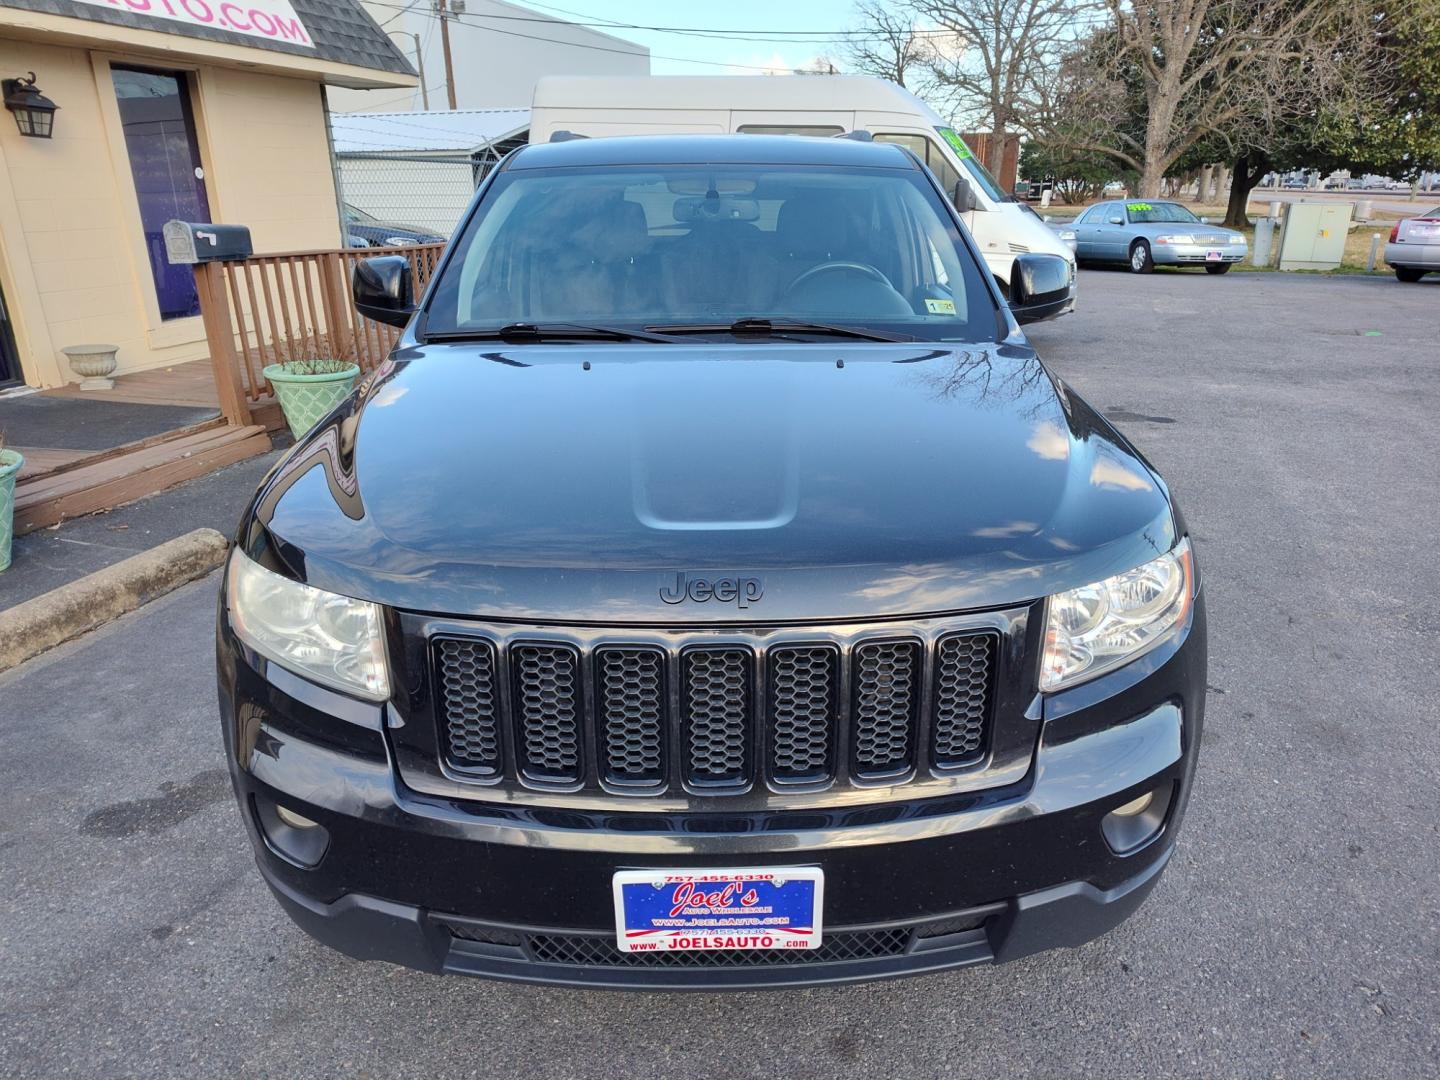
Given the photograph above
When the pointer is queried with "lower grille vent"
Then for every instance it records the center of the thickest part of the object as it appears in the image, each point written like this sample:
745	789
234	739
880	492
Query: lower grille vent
591	951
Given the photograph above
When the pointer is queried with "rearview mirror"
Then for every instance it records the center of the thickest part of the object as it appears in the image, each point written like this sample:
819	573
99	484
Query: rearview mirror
382	290
963	197
1039	287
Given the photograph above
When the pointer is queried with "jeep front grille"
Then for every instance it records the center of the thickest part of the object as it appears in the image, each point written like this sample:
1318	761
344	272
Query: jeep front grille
716	717
631	700
547	708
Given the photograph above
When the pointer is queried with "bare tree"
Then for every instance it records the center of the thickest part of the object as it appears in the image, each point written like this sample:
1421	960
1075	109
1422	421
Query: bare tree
1168	73
887	43
1006	53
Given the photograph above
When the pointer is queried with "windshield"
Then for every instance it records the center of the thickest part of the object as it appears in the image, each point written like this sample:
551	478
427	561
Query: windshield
676	245
1144	213
354	213
978	173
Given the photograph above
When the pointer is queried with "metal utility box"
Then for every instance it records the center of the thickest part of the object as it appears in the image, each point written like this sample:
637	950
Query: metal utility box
1314	237
189	242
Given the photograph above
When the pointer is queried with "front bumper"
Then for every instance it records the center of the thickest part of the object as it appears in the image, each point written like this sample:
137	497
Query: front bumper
1192	254
523	893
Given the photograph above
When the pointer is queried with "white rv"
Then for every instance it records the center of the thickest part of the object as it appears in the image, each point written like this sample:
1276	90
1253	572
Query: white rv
823	105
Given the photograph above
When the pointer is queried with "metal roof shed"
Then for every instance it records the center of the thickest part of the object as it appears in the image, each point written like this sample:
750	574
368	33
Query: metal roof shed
421	168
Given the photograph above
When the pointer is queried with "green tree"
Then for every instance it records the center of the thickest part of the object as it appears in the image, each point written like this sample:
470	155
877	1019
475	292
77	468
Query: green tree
1078	177
1165	75
1396	129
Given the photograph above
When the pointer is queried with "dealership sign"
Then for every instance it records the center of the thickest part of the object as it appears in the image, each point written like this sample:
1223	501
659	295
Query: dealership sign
272	20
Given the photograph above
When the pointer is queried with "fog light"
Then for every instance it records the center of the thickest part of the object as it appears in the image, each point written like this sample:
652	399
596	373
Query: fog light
293	837
1130	809
1132	825
297	821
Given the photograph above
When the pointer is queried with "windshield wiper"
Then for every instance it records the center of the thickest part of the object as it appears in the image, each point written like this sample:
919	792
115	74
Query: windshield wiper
781	326
522	332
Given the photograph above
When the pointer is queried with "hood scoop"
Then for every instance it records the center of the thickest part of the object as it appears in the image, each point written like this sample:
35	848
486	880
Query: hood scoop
740	469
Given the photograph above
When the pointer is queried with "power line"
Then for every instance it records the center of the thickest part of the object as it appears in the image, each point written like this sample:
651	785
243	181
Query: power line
598	48
830	37
777	37
371	106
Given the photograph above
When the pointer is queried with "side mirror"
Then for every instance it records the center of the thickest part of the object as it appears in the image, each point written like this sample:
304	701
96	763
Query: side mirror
382	290
1039	287
1117	220
1204	221
963	197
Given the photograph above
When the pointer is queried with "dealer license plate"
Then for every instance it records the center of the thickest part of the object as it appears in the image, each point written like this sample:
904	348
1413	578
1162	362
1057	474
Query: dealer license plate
1213	256
719	910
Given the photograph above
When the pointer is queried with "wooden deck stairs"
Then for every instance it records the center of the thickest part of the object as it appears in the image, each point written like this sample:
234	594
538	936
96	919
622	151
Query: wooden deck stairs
132	472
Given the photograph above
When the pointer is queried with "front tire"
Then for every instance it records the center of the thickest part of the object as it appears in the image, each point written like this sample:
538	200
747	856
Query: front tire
1217	268
1409	274
1141	261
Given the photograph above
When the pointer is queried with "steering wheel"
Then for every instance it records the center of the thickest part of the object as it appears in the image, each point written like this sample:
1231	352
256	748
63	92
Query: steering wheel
830	267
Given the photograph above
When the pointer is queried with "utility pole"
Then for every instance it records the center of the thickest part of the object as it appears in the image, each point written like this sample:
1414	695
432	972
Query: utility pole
419	65
445	17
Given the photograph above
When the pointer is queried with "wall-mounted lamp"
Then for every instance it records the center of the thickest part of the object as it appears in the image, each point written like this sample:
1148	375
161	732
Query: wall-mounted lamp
34	112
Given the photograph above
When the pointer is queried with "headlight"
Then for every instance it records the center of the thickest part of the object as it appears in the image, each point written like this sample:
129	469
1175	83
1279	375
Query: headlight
1093	629
1176	238
1065	234
328	638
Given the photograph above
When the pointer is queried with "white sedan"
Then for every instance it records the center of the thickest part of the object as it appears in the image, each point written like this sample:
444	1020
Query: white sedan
1414	247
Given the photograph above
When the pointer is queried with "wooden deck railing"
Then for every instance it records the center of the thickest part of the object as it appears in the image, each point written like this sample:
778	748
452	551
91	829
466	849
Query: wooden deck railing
295	305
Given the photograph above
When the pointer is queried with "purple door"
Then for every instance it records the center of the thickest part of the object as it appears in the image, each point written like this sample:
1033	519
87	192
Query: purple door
165	162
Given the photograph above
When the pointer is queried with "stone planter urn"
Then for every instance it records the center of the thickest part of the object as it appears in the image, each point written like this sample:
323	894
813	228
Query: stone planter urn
93	363
10	463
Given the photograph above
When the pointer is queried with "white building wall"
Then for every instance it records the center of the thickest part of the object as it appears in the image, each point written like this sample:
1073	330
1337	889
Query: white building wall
496	61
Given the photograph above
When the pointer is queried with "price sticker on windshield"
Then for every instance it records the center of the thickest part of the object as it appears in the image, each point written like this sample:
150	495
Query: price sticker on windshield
956	142
939	307
1139	206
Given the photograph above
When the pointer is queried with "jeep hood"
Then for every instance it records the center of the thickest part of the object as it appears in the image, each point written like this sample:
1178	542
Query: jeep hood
574	482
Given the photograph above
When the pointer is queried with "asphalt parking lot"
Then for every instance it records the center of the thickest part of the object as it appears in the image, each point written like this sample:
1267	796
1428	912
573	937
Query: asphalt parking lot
1296	933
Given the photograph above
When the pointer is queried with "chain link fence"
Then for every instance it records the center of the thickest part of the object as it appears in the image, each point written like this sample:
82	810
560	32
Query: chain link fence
420	193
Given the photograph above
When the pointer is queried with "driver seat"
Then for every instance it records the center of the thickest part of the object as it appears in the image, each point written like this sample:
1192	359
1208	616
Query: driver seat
813	231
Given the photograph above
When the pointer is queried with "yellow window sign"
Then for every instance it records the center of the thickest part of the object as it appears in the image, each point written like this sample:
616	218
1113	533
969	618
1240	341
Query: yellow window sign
1139	206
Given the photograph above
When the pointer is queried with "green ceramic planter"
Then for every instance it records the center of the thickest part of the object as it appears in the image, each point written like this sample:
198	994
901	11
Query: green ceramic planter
304	399
10	462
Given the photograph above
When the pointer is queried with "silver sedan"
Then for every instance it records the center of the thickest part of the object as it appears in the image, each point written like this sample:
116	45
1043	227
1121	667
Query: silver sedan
1149	234
1414	247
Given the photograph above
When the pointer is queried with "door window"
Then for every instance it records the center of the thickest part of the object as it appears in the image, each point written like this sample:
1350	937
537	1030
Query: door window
927	151
818	130
169	181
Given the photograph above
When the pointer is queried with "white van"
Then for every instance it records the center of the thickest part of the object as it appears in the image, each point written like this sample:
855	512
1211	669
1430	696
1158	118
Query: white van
822	105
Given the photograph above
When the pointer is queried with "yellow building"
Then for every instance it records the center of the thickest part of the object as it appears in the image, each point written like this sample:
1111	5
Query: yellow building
204	110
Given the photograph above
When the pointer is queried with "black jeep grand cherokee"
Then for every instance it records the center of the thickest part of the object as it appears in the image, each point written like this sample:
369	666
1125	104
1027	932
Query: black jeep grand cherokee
712	589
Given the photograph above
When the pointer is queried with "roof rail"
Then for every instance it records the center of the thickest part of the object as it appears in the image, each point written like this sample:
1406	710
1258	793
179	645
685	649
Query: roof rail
859	135
566	136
